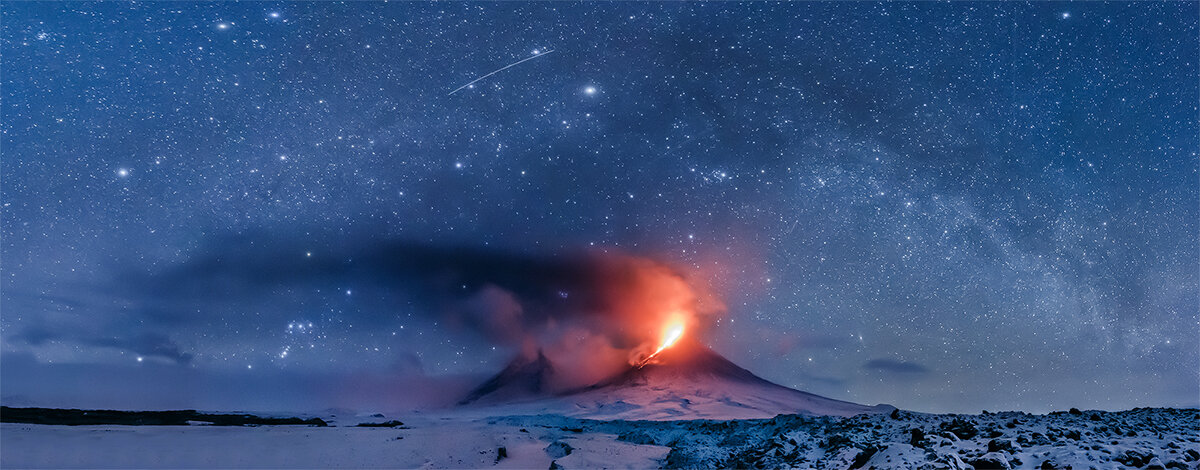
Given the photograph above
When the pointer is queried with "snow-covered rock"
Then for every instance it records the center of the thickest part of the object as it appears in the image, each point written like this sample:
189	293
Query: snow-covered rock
1140	438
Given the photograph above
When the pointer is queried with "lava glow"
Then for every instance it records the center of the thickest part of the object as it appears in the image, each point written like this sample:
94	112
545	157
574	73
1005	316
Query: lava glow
673	335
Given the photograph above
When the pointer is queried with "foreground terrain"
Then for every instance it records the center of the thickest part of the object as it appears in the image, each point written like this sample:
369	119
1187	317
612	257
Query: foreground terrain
1140	438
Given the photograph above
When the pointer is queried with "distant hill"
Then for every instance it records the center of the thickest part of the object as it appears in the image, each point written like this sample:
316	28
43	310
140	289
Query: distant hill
72	417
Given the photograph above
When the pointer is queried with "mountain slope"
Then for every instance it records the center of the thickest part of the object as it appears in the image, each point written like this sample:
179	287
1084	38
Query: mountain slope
687	381
523	378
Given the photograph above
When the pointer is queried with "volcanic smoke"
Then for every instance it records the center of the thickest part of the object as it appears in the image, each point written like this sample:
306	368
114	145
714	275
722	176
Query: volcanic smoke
590	312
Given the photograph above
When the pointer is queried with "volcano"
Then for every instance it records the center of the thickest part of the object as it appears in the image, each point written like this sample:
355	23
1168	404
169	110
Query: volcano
687	381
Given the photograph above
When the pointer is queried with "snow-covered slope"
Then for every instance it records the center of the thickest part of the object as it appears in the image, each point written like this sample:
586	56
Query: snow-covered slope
523	378
687	381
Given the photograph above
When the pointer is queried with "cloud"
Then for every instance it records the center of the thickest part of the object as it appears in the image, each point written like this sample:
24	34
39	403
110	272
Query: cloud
896	367
149	345
26	381
143	344
507	297
569	303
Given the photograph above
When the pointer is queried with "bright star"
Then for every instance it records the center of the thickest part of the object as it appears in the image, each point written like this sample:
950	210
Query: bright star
1066	14
590	90
273	14
222	25
123	172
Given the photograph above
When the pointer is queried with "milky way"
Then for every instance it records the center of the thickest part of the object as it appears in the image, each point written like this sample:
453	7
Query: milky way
942	206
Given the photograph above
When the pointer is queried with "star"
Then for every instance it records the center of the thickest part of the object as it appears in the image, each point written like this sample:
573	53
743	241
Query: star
831	198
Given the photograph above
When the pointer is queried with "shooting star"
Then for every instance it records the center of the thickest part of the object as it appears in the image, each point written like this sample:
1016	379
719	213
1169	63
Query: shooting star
501	69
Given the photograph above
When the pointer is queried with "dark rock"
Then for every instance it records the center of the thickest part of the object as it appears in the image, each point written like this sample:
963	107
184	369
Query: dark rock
1075	411
638	437
1191	455
990	461
835	442
997	445
895	414
918	437
1177	464
861	459
386	424
554	465
1134	458
960	427
558	449
501	453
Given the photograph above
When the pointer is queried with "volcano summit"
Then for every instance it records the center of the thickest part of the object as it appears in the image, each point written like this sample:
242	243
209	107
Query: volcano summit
687	381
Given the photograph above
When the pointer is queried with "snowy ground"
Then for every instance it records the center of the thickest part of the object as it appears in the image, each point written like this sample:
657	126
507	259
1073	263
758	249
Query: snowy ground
1143	438
450	443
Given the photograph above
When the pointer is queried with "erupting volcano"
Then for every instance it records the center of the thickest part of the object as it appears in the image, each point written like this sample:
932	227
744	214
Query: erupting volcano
627	344
685	380
673	335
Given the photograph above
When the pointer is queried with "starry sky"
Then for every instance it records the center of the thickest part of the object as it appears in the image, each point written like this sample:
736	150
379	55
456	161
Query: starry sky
946	207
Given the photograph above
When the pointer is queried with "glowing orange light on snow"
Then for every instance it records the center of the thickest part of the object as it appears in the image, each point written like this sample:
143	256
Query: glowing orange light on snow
672	335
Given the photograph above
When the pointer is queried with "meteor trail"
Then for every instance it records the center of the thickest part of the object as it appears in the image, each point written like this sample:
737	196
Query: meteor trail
501	69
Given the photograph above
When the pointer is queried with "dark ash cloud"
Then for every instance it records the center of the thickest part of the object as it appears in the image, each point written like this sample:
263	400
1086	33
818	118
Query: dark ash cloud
507	297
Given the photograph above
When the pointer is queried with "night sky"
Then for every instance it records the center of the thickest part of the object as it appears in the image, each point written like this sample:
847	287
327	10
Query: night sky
946	207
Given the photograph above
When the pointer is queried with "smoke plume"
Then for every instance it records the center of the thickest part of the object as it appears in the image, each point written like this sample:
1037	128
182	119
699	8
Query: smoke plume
588	311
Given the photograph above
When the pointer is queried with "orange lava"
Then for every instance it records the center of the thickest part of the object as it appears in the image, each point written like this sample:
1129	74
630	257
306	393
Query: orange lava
673	334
